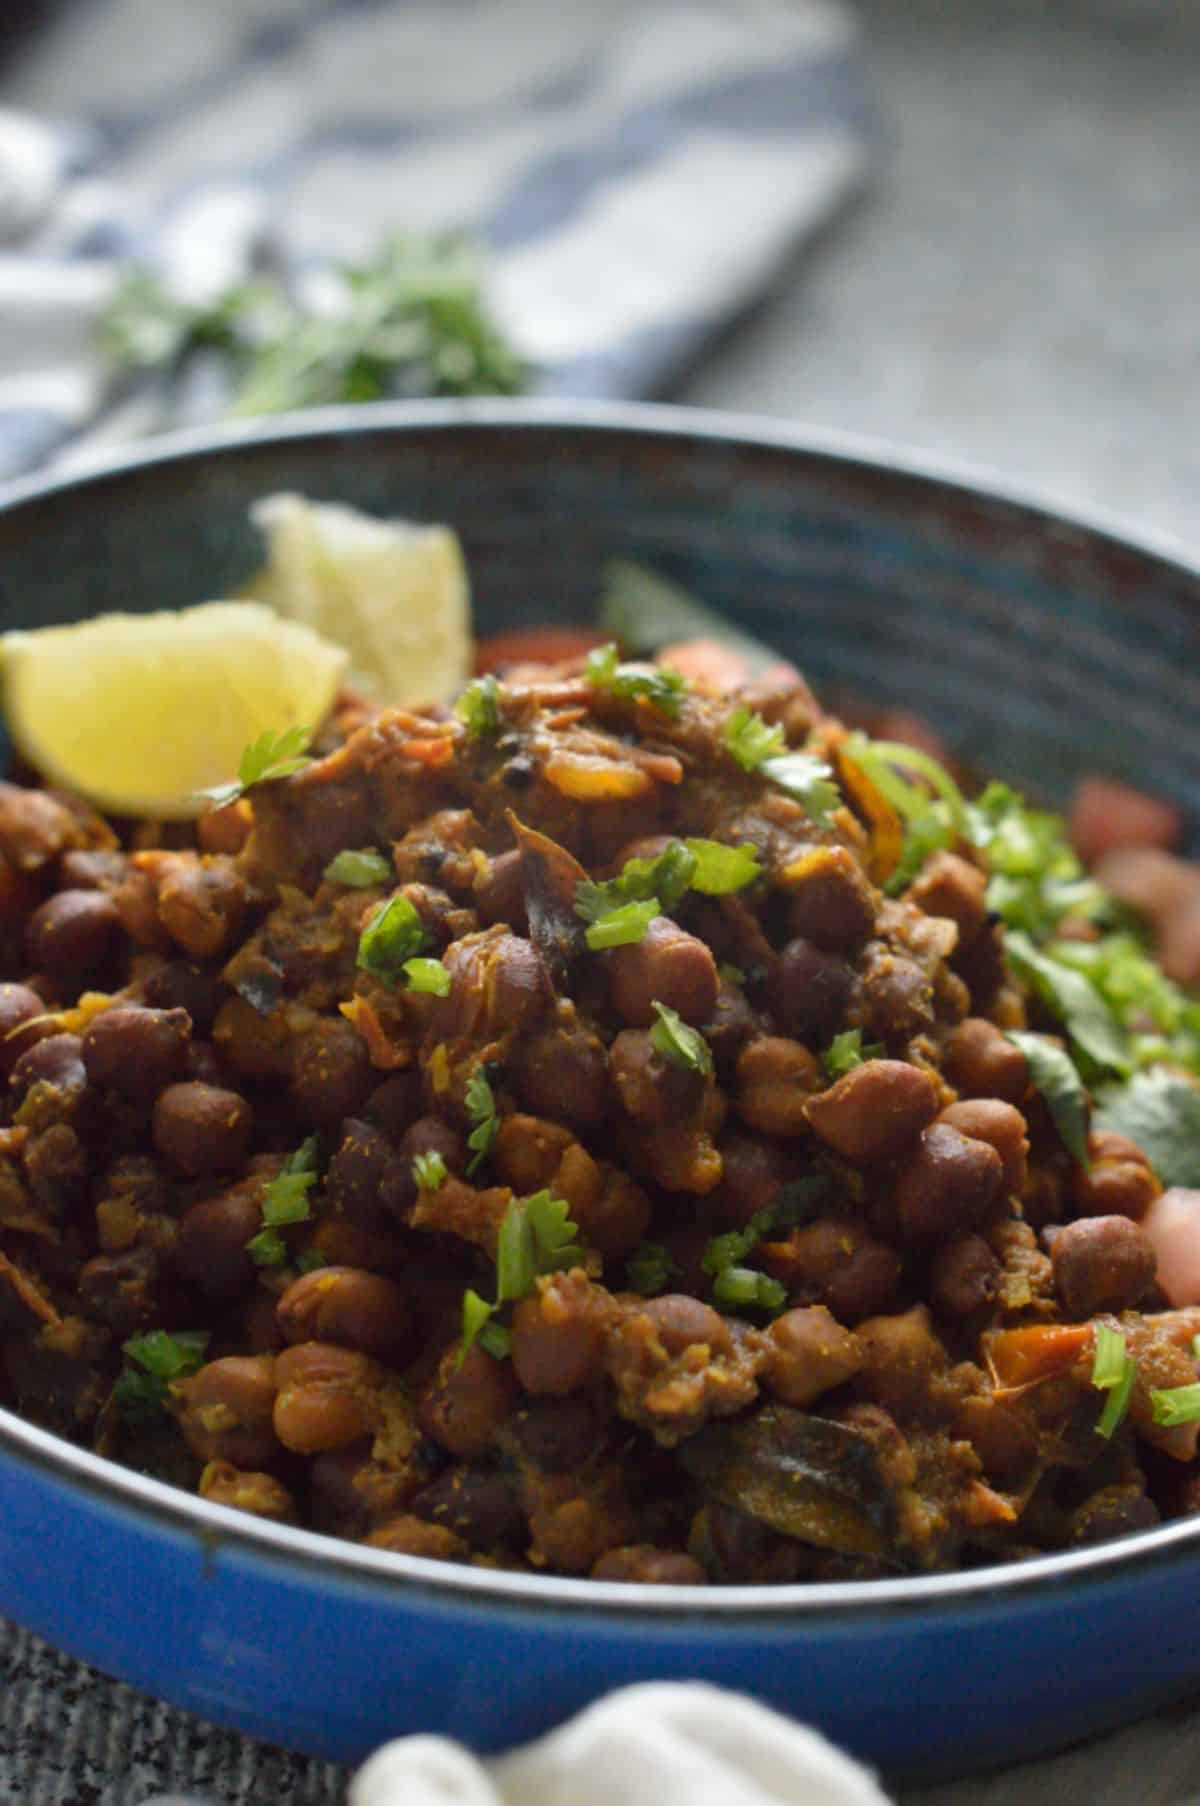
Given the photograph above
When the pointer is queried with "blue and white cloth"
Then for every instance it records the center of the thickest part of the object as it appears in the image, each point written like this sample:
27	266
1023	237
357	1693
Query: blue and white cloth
638	169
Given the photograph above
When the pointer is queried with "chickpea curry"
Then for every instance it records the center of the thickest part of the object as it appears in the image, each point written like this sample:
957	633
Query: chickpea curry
615	1127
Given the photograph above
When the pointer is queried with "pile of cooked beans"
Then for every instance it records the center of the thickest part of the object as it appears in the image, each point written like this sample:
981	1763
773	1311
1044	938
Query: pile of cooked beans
537	1135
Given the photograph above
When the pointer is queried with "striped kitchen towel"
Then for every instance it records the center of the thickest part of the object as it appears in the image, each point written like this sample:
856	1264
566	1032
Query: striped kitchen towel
637	171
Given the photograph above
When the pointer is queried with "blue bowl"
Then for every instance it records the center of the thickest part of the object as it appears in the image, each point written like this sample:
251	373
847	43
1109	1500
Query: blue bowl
1045	648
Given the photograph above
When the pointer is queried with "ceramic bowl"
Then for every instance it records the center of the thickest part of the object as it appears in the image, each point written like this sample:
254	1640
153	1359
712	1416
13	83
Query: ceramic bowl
1043	647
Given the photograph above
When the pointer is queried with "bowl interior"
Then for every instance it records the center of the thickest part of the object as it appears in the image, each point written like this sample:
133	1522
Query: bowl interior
1042	650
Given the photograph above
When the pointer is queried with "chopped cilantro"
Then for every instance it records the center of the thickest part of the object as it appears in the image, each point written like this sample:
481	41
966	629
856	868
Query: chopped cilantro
806	778
285	1201
740	1287
622	927
267	1248
1074	1000
643	683
393	935
846	1051
428	977
1036	877
1055	1075
478	707
310	1260
476	1316
360	870
496	1340
648	1269
286	1197
153	1362
266	759
707	866
720	869
481	1108
733	975
1174	1405
662	880
536	1236
429	1171
672	1037
749	739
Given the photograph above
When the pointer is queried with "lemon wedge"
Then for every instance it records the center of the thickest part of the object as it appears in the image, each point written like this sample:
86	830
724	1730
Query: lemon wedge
140	712
395	594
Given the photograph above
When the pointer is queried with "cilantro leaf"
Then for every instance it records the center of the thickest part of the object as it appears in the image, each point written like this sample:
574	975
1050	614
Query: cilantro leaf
846	1051
805	777
476	1315
1074	1000
394	934
270	757
481	1108
720	870
267	1248
673	1038
648	1268
285	1201
361	870
640	683
536	1236
748	739
622	927
153	1362
1160	1111
428	977
1055	1075
478	708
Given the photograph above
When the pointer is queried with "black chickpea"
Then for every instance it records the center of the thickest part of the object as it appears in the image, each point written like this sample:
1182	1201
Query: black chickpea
75	935
202	1128
136	1050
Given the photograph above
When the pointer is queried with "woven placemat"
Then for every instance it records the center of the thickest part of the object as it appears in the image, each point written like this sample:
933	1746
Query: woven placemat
71	1737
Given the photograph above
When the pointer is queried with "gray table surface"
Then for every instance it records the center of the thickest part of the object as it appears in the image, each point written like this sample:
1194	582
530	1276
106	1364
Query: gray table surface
1019	291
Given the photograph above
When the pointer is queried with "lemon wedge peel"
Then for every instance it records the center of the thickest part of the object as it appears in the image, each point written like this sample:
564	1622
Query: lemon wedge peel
140	713
394	593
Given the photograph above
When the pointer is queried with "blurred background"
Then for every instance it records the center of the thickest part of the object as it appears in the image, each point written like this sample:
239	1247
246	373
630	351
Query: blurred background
967	226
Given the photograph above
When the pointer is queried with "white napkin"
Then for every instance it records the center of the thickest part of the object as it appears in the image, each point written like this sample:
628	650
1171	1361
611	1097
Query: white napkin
662	1743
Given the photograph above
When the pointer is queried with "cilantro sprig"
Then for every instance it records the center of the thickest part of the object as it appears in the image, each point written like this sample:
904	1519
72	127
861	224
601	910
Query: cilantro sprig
153	1362
641	683
410	320
271	757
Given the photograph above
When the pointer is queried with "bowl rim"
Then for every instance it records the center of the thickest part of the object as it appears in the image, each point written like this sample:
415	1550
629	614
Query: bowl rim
326	1559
